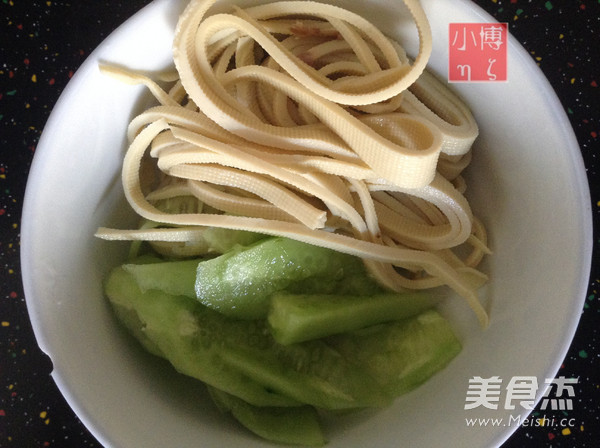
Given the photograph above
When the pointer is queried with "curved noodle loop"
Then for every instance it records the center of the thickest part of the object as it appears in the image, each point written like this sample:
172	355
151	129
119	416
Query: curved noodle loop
314	126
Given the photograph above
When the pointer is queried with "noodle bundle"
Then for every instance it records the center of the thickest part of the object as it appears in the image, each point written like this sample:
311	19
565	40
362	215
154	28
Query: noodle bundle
313	126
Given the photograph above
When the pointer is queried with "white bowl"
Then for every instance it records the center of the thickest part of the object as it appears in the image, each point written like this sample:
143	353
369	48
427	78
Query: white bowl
527	183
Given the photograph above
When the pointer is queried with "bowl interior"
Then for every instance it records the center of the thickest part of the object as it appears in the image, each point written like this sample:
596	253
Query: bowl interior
526	182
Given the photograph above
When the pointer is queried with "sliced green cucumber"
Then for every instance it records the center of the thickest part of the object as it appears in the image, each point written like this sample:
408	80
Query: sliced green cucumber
211	240
222	240
167	326
311	372
130	319
401	355
240	356
352	280
240	285
172	277
290	425
302	317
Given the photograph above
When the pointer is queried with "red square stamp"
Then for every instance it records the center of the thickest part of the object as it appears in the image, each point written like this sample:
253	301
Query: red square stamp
477	52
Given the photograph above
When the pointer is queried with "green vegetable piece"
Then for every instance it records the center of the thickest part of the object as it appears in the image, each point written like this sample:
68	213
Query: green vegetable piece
220	240
401	355
172	277
240	356
291	426
353	280
311	372
179	204
240	284
179	277
167	326
301	317
211	240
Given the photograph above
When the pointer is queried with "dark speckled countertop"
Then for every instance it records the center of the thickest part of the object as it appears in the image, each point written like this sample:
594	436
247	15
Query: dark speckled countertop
42	43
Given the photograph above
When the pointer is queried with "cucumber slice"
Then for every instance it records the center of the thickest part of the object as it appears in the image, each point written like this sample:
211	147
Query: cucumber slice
166	326
311	372
240	285
301	317
240	356
334	273
291	426
353	280
172	277
222	240
401	355
130	319
212	240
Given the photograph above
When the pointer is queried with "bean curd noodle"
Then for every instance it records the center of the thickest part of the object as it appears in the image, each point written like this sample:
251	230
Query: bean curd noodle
312	126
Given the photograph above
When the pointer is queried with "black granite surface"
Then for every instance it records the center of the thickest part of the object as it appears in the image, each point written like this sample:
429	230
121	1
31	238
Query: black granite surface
42	43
